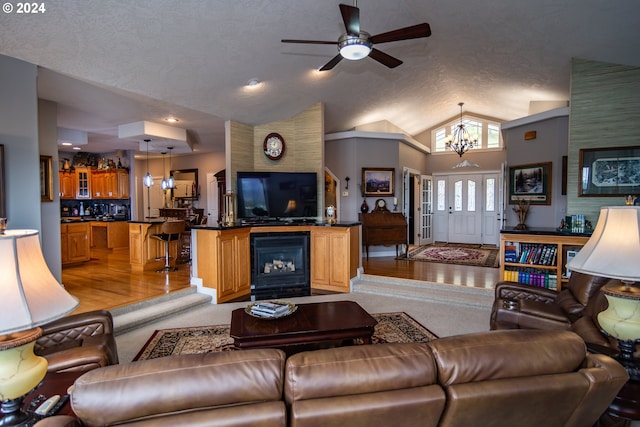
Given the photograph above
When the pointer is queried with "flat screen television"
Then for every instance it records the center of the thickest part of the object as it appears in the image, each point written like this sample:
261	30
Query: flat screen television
277	196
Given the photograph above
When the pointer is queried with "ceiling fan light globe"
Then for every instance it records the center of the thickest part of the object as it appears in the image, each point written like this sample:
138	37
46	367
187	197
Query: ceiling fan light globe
354	48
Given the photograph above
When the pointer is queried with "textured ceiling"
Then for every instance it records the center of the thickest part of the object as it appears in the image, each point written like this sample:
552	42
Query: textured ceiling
110	62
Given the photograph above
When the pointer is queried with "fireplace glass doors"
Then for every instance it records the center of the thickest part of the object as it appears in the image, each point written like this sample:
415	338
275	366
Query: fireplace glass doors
280	265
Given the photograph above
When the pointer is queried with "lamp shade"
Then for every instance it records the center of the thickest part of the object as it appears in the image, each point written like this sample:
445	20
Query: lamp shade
29	294
613	250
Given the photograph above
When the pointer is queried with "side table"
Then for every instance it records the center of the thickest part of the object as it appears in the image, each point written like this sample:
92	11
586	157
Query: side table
624	411
52	384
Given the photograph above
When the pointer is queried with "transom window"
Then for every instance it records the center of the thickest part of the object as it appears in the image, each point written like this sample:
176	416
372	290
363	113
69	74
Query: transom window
488	133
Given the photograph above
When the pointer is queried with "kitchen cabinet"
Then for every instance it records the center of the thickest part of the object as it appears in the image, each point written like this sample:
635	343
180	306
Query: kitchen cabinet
334	257
110	184
67	181
74	238
83	183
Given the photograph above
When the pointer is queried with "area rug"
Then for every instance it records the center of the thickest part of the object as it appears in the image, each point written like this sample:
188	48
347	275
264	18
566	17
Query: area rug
456	253
391	327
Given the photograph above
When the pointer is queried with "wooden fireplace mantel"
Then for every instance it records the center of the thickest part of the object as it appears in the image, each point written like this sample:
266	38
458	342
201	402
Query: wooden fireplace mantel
221	257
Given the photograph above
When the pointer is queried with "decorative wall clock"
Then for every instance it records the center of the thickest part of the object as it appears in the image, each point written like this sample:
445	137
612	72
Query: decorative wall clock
274	146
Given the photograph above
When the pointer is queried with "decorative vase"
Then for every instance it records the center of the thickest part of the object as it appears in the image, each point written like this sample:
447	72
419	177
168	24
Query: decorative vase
364	207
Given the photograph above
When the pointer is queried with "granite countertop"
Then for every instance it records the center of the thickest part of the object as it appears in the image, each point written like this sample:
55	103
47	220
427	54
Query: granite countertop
548	231
72	219
278	224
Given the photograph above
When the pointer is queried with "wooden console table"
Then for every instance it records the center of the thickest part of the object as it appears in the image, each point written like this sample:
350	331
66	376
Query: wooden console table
385	228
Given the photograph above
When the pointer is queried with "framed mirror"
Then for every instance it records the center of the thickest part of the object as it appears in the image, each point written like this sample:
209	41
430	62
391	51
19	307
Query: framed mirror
186	184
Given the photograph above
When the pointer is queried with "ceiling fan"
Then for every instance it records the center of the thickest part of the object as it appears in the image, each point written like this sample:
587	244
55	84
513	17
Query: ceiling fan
356	44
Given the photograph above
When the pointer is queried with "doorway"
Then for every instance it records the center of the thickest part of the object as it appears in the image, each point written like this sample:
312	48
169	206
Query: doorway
467	207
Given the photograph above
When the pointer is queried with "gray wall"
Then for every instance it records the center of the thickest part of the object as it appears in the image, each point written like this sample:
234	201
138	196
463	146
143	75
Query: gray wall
550	145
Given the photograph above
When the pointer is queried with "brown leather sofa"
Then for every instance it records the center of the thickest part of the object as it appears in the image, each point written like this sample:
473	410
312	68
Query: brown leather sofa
574	308
499	378
79	342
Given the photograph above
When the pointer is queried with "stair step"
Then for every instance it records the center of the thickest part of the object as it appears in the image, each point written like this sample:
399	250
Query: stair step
132	316
427	291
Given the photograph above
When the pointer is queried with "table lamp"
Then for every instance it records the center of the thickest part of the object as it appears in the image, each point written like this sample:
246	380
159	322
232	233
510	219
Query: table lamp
613	250
29	296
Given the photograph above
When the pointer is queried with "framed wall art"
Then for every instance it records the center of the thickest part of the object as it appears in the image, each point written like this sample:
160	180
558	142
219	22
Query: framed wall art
378	181
531	183
609	171
46	179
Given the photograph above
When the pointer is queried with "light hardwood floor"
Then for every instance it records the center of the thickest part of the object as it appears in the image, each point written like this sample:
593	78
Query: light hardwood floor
107	282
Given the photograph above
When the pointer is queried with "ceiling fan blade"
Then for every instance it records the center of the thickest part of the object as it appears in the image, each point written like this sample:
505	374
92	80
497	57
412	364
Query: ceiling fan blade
329	65
307	41
351	18
384	59
413	32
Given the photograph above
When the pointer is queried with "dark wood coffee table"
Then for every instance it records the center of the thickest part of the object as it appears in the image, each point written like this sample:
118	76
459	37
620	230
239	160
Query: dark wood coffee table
315	325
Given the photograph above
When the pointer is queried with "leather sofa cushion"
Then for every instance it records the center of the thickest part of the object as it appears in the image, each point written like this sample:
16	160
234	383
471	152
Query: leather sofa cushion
382	384
506	354
358	369
195	383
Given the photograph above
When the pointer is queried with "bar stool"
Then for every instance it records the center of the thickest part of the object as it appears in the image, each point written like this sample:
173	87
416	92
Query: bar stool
170	231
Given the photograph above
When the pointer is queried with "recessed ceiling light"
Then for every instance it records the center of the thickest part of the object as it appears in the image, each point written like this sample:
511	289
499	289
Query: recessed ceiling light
253	82
66	143
77	148
171	120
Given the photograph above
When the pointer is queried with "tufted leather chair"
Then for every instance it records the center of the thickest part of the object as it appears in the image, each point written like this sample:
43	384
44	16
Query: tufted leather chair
575	308
79	342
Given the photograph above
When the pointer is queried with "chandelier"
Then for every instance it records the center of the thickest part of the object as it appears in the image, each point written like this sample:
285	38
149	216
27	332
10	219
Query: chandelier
460	141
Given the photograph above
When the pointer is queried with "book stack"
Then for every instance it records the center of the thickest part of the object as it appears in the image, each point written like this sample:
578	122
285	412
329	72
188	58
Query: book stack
270	309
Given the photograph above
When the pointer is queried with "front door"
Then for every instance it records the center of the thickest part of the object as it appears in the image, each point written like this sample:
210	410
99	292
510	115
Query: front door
465	215
467	208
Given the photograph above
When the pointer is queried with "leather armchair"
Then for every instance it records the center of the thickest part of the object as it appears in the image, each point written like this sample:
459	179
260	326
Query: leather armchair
575	308
79	342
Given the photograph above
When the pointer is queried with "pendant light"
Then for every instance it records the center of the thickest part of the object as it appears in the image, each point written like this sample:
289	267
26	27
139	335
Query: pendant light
165	183
170	181
148	179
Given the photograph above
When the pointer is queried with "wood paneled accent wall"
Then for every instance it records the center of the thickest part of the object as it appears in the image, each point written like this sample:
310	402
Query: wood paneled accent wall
604	112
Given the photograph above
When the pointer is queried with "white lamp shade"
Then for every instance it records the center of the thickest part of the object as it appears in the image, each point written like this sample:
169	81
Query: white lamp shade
29	294
613	250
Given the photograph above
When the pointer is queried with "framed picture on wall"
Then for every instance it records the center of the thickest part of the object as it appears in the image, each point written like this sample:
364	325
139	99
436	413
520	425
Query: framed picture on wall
609	171
531	183
46	179
378	181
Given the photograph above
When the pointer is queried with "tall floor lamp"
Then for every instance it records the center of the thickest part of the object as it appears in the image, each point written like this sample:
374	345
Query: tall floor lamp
613	250
29	296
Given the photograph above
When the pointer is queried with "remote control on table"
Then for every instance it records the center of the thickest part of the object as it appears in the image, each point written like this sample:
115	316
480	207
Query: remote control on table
47	405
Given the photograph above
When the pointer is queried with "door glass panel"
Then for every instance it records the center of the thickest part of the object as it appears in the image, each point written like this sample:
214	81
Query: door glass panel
490	196
457	196
441	198
471	196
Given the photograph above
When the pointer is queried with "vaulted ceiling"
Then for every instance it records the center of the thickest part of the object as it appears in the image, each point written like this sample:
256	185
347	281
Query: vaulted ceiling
111	62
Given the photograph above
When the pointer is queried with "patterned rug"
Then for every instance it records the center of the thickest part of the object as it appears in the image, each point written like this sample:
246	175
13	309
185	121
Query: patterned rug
456	253
391	327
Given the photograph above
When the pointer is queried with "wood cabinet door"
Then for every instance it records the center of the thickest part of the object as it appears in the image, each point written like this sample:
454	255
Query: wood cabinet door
320	257
83	183
227	265
98	184
67	185
122	184
339	262
78	242
243	263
